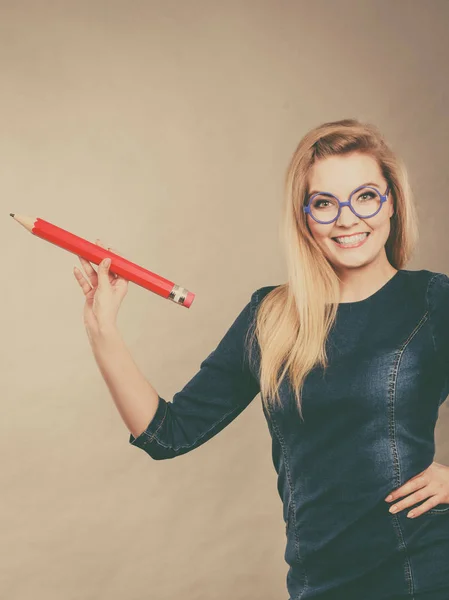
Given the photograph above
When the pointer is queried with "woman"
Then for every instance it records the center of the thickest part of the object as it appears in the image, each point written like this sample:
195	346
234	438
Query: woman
351	358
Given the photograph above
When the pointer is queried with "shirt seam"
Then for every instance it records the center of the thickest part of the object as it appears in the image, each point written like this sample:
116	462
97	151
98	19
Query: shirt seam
432	324
194	442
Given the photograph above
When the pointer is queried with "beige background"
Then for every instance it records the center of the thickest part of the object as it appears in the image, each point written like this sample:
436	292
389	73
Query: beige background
165	128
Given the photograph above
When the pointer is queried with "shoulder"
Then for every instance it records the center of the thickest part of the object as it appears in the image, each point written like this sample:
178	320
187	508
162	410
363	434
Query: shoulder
437	293
259	294
427	284
437	280
437	299
437	285
263	291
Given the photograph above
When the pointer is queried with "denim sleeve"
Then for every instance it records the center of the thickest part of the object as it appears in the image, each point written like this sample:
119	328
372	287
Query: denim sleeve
438	307
221	389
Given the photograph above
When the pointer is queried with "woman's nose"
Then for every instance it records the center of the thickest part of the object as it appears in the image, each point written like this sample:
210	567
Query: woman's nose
347	216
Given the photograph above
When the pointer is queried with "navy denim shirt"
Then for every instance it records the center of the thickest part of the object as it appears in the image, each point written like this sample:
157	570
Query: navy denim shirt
368	428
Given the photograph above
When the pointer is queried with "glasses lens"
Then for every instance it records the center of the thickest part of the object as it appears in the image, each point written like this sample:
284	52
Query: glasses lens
324	208
366	202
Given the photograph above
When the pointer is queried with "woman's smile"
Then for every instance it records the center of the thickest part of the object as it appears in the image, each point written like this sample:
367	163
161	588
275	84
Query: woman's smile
354	241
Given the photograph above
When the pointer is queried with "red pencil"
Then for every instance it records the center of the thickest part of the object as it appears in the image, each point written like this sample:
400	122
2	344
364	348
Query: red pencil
94	253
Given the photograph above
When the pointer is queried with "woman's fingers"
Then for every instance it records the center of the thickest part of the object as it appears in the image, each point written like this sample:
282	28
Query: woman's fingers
90	284
85	286
111	274
91	272
113	277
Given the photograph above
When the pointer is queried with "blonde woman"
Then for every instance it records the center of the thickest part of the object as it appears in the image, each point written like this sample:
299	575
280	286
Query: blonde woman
351	359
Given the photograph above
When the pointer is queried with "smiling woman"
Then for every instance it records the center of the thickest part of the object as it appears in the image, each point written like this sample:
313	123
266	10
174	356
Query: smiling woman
370	341
350	357
363	341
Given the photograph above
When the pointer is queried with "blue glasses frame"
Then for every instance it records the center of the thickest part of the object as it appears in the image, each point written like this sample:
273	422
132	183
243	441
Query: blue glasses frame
383	198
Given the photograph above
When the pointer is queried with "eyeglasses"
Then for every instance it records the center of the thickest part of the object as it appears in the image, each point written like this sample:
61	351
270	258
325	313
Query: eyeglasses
324	207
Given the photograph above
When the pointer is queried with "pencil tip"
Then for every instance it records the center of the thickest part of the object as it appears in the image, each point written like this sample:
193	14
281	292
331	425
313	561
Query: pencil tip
11	214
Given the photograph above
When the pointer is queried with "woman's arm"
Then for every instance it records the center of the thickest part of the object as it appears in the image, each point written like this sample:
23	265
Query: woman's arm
221	389
134	396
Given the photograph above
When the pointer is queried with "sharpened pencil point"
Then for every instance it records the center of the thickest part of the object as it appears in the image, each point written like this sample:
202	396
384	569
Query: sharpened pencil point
11	214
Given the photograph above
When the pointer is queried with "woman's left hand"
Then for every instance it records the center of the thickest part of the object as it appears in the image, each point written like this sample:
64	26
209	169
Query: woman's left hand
432	483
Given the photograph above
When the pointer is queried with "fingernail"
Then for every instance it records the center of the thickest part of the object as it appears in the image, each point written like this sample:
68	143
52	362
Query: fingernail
388	498
107	262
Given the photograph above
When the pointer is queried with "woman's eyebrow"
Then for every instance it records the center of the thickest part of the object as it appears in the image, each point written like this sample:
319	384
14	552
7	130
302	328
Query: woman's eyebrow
368	183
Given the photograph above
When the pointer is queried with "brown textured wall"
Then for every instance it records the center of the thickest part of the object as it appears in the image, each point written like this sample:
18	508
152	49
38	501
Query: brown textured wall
165	128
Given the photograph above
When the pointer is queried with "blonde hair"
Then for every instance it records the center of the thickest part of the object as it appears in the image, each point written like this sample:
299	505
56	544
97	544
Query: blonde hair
294	319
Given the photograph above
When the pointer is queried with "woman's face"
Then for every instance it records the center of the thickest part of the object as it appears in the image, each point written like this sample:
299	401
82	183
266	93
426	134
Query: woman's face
340	175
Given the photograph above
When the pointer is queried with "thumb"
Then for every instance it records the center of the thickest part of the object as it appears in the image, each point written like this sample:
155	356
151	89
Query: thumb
103	271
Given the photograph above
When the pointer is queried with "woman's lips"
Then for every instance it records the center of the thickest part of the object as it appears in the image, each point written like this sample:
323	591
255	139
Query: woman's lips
355	245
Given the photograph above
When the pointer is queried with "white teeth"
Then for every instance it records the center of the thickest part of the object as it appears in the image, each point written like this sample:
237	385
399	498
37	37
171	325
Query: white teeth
353	239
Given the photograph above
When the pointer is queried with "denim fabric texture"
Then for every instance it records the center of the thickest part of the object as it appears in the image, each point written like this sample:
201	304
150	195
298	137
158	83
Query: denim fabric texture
368	428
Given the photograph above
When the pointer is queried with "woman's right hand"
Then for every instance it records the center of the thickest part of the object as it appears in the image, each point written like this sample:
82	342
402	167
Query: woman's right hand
104	292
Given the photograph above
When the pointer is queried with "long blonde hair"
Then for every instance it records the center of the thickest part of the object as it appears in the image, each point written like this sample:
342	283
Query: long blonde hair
294	319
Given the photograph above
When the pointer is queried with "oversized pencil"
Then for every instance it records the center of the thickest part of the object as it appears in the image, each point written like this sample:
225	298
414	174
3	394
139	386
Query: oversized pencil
94	253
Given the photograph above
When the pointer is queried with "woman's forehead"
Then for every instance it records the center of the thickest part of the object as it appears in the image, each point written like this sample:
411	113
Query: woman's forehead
342	174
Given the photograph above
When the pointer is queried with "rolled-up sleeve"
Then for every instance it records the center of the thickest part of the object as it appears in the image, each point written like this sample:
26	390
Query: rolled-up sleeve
438	307
221	389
